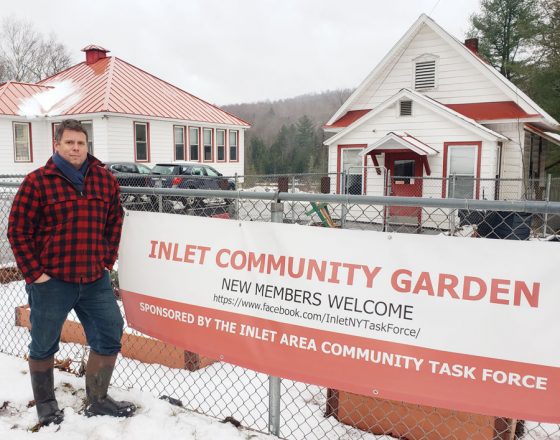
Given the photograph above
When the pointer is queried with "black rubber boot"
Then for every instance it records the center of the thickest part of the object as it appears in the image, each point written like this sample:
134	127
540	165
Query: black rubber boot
98	376
42	382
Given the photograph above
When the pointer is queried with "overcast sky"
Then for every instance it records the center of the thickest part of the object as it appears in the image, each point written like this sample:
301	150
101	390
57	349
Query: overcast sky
233	51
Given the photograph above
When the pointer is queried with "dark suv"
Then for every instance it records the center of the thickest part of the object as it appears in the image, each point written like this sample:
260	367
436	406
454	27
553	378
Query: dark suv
189	175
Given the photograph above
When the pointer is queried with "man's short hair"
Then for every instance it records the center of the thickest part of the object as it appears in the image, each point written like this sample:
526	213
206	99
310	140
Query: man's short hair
72	125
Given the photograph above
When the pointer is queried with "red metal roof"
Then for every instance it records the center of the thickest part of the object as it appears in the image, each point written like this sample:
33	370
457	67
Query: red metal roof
349	118
115	86
486	111
13	93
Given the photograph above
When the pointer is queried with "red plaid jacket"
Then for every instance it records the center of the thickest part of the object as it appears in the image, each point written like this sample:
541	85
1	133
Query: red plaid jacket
68	235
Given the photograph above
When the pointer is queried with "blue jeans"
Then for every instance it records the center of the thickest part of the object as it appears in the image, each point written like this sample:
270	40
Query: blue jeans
94	303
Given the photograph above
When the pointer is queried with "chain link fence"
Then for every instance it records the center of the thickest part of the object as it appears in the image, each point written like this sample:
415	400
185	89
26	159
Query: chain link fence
222	390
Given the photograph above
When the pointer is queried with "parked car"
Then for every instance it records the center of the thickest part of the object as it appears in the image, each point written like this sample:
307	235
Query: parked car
132	174
190	175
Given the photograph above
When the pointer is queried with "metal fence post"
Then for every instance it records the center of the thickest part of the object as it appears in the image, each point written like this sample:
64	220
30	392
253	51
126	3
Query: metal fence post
236	214
547	198
452	212
277	214
292	210
387	209
344	205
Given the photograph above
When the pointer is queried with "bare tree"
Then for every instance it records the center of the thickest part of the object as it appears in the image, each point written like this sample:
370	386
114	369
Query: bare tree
26	56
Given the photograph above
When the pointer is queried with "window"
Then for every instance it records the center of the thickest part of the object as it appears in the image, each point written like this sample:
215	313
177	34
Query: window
207	142
143	169
141	142
179	141
211	172
193	142
425	73
462	172
352	163
233	147
22	142
403	170
405	108
221	145
88	125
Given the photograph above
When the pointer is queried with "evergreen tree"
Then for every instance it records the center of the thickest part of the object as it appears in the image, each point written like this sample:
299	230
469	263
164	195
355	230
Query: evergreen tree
507	32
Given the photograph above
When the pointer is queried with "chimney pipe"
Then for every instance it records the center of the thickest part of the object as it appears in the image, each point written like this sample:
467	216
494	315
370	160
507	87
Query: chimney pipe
472	44
94	53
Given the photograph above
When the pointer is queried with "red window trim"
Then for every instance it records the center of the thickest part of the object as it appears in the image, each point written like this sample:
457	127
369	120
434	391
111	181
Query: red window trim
211	145
338	163
30	142
184	142
199	131
225	143
478	146
53	134
147	124
228	146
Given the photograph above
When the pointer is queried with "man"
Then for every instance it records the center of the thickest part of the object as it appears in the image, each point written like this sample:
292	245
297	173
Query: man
64	229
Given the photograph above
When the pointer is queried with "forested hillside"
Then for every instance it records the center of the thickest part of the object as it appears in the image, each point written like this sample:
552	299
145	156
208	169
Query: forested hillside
287	135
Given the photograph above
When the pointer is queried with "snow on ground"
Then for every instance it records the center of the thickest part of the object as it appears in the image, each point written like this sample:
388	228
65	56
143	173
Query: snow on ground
154	417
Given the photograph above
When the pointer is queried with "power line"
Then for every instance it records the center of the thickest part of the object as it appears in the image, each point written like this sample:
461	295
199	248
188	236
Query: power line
435	6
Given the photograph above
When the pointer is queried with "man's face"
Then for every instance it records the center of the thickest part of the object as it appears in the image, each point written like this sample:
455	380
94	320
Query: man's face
72	147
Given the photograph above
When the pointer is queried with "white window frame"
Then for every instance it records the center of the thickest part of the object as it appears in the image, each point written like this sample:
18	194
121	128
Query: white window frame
147	142
29	143
197	130
206	145
236	133
421	59
344	185
450	173
175	144
222	146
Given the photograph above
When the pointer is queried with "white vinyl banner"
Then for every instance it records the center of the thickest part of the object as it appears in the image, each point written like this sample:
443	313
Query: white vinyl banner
468	324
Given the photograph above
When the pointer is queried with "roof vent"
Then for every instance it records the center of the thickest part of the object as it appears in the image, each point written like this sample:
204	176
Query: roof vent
406	108
94	53
472	44
425	75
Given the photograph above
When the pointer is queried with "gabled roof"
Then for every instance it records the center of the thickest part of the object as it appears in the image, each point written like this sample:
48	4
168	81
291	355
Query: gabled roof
487	70
111	85
348	118
444	111
548	135
490	111
13	93
403	140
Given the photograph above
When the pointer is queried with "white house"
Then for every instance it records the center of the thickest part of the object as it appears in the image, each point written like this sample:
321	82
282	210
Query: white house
130	115
434	113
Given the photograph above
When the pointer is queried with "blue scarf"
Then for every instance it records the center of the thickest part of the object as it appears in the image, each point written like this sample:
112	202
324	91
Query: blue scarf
75	176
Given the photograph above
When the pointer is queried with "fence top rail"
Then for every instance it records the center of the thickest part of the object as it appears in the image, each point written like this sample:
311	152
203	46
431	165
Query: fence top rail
494	205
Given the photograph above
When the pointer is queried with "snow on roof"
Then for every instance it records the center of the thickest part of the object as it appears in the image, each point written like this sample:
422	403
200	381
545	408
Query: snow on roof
55	100
12	95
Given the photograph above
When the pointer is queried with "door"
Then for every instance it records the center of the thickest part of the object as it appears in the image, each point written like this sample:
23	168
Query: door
406	181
